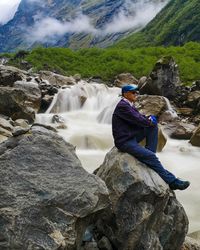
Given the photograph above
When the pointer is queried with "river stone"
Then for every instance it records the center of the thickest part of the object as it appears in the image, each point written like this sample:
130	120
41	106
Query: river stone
145	214
9	75
56	79
195	139
151	105
179	130
191	244
18	103
5	124
124	79
47	198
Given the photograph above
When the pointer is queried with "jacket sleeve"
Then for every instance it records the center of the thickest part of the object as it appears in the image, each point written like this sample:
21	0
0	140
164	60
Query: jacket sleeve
133	116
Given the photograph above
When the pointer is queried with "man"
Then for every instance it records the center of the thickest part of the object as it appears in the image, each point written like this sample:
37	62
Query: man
130	127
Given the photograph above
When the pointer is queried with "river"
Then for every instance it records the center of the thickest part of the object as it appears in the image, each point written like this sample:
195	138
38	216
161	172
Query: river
86	110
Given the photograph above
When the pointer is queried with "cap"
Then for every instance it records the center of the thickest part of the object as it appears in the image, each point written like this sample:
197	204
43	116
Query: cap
128	88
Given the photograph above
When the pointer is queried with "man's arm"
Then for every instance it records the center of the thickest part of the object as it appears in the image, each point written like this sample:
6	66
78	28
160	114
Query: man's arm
132	116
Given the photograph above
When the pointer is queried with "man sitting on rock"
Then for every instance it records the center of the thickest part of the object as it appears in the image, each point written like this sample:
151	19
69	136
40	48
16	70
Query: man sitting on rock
130	127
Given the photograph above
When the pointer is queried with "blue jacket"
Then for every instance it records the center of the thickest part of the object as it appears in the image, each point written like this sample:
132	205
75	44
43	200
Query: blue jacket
127	121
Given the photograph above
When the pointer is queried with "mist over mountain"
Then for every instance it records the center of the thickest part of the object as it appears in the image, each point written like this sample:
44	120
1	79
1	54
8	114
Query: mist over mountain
75	23
176	24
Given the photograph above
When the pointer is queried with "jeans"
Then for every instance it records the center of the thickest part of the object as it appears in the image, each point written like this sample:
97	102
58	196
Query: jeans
147	154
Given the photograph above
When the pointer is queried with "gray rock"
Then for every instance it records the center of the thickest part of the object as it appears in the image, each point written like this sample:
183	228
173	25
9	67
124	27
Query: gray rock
179	130
195	139
145	214
9	75
5	124
19	130
191	244
47	198
163	79
104	244
22	123
124	79
18	103
151	105
56	79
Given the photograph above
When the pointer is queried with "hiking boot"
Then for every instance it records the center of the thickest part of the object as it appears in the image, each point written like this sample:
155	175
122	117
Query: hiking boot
179	184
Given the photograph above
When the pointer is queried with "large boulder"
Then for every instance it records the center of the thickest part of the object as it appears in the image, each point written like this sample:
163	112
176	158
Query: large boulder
9	75
144	214
20	101
124	79
151	105
47	198
163	79
56	79
195	139
179	130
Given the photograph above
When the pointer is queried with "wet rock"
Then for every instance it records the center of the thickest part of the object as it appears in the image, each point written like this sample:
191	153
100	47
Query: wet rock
19	130
17	103
179	130
151	105
45	103
3	138
163	79
190	244
56	79
5	133
47	198
124	79
57	119
144	212
5	124
185	111
193	99
22	123
195	139
104	244
142	81
9	75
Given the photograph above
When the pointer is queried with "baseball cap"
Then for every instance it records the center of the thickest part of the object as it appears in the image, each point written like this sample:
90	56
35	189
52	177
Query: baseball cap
128	88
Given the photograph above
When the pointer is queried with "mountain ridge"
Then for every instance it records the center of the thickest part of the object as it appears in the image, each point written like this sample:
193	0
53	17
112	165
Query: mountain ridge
54	23
176	24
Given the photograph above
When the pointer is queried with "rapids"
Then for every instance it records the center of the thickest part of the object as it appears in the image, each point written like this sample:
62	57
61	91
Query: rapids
86	110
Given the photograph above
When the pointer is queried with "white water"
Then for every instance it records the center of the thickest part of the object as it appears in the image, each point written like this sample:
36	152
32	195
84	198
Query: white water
89	129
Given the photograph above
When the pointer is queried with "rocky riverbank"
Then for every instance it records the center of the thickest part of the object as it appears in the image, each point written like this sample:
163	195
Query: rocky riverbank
48	201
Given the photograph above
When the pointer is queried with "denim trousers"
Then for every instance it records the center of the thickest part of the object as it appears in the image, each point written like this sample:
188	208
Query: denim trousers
147	154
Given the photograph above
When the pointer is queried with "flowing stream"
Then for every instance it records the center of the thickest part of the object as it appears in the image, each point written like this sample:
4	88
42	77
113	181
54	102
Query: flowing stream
86	110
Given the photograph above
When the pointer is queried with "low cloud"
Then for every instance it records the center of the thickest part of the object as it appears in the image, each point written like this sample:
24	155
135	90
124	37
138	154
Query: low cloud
132	16
50	28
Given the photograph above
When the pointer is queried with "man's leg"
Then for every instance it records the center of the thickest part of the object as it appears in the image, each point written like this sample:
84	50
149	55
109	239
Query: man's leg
151	136
148	157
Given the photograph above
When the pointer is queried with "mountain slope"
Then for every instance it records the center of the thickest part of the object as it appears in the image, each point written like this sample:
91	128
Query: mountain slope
177	23
75	23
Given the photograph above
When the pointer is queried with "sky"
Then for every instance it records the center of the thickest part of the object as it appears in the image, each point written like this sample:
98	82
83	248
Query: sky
8	8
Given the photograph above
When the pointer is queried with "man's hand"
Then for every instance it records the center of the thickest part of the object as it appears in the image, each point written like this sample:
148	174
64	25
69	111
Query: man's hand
153	120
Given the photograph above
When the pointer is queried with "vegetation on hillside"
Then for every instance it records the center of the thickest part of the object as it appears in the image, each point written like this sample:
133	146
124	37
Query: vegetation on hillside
107	63
176	24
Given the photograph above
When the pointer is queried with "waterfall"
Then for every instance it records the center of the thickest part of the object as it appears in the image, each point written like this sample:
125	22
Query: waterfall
86	110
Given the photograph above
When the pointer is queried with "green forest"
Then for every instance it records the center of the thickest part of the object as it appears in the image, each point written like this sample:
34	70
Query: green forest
176	24
107	63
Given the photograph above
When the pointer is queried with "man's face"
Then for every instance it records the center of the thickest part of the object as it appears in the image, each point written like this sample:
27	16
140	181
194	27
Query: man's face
131	96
